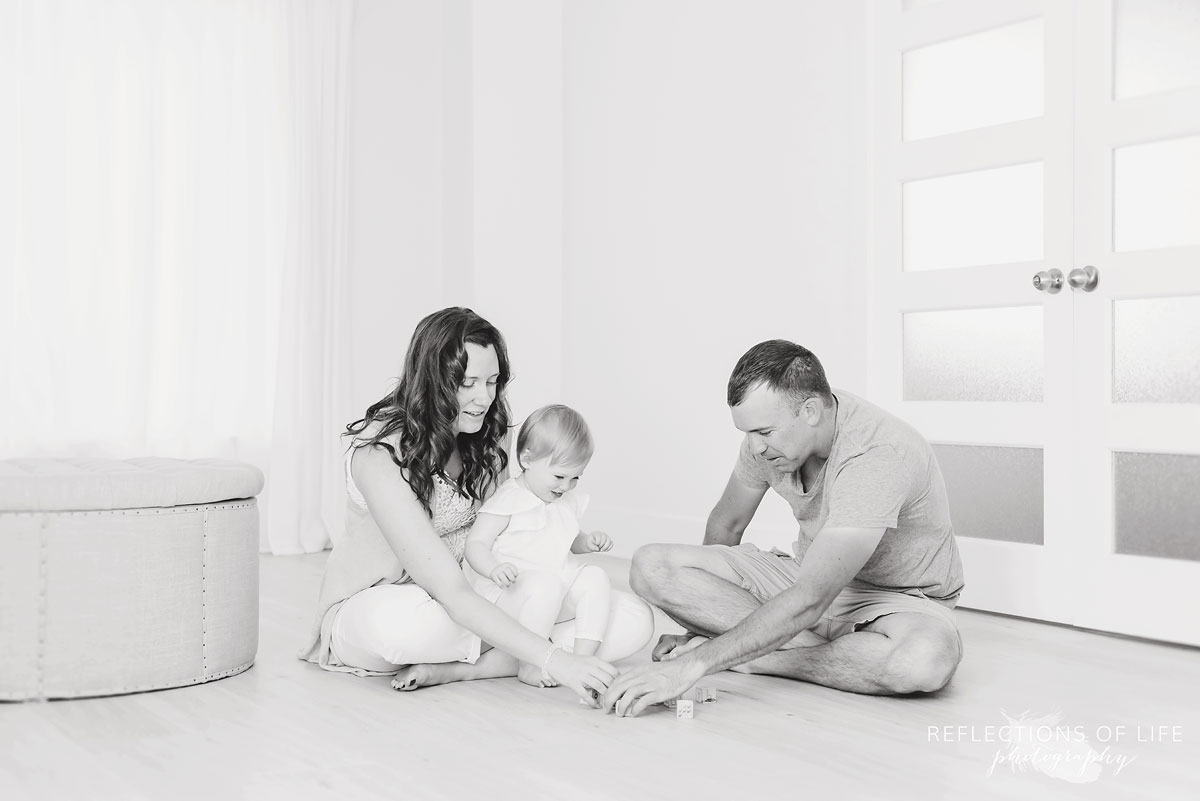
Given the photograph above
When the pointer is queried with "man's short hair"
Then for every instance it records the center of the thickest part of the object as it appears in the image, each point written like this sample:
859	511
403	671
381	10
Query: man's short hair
785	367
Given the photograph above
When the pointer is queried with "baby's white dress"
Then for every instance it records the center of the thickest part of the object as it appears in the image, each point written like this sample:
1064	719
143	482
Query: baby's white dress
538	536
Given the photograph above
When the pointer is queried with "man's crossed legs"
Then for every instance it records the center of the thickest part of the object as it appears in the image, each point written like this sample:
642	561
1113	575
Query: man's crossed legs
874	642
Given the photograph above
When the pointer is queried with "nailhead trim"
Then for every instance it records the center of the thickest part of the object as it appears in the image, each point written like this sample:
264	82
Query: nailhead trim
97	693
166	510
43	592
204	597
39	693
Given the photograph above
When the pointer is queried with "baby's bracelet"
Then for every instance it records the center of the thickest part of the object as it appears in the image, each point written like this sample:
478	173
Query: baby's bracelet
546	662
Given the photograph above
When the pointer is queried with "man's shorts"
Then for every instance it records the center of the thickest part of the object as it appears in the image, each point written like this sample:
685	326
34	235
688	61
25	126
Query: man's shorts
765	574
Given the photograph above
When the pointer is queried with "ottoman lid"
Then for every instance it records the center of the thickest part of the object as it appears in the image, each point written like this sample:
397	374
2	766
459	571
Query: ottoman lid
56	485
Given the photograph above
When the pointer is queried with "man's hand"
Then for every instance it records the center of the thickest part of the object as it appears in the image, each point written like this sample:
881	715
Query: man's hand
599	541
631	692
503	574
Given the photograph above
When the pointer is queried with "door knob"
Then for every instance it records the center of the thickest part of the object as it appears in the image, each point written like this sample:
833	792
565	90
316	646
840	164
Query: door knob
1048	281
1085	278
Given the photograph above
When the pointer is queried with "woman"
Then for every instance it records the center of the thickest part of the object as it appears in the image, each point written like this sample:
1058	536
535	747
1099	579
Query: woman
394	598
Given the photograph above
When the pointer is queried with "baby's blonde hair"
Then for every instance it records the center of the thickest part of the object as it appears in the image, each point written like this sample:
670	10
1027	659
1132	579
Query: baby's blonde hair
556	431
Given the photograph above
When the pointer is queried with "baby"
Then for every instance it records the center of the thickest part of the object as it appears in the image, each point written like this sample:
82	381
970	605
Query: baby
518	550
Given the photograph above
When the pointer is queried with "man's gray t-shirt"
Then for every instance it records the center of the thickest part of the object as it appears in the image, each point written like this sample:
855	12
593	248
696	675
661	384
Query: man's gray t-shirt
880	473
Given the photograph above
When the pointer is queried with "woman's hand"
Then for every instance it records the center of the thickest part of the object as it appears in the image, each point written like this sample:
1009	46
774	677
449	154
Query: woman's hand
588	676
503	574
599	541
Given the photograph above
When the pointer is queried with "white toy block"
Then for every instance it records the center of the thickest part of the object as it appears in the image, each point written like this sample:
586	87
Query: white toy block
684	710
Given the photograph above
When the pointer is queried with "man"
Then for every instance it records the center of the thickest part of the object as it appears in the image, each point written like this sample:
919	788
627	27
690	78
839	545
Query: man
865	604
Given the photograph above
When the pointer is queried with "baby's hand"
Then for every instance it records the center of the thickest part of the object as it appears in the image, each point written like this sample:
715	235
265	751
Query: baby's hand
503	574
599	541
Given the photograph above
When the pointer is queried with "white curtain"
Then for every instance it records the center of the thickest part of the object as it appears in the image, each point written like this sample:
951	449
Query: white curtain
175	217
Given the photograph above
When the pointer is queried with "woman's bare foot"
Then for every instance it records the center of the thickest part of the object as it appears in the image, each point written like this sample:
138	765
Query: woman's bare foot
492	664
532	675
416	676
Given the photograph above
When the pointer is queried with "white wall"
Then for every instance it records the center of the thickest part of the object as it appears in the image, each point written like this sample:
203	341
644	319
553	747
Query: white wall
517	146
456	189
716	196
634	192
399	115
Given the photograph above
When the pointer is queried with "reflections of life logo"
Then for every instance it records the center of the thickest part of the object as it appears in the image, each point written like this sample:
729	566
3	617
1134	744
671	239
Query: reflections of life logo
1061	752
1042	743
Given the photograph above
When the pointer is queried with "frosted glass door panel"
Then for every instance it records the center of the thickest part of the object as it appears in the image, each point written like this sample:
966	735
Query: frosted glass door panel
974	355
974	81
995	493
1157	45
985	217
1157	505
1156	194
1156	350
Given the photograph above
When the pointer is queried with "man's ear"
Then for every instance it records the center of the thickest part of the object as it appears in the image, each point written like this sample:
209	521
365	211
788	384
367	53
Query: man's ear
813	410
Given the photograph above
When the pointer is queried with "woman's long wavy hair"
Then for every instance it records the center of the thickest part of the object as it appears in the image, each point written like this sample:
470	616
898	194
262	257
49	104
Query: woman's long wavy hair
424	406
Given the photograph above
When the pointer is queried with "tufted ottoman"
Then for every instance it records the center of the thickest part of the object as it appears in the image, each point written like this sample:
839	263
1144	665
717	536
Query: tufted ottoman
123	576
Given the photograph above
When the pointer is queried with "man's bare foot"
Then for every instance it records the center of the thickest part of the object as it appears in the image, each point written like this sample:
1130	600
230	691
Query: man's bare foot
672	646
417	676
532	675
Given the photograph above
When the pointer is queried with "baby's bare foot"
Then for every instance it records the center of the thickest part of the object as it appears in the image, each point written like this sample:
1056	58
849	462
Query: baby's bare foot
532	675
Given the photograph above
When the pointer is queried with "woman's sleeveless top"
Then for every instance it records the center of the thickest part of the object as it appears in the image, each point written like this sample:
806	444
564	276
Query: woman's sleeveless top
362	558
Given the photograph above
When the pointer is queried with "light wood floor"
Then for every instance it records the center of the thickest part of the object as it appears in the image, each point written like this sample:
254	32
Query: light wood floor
286	729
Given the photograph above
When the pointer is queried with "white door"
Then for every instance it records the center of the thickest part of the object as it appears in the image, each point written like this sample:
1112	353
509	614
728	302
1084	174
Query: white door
996	140
1137	335
973	166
